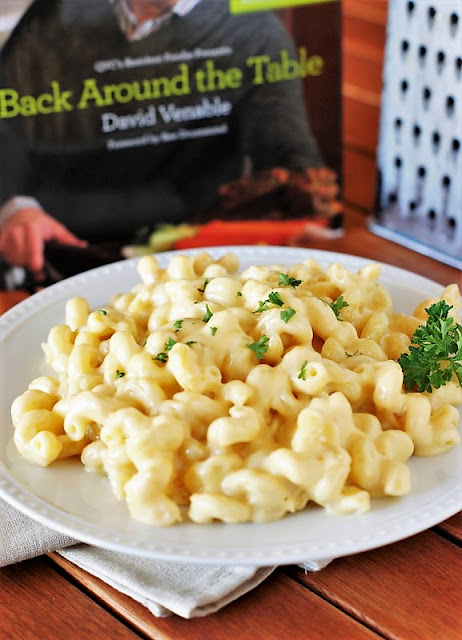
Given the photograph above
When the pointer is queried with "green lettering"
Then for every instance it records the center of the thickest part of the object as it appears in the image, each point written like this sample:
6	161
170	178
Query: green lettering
273	72
61	98
234	78
200	80
42	107
9	105
160	87
313	66
179	84
90	92
120	93
142	93
257	62
28	106
212	79
290	68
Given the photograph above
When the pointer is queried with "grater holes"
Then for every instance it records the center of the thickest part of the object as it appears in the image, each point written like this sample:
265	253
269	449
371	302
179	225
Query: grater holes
451	228
420	153
392	197
450	104
431	219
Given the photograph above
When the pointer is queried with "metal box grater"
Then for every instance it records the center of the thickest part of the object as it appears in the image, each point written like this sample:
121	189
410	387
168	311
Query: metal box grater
419	157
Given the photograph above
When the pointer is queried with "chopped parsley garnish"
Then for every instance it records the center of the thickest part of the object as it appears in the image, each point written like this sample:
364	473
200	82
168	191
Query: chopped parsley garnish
204	285
286	314
161	357
435	353
260	347
238	294
262	306
273	298
169	344
177	325
103	312
119	374
336	306
208	314
213	330
302	373
286	280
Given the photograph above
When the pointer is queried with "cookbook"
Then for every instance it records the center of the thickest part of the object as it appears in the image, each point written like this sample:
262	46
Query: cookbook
123	119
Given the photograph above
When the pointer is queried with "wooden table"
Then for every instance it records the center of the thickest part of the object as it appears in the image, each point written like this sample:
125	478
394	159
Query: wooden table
408	590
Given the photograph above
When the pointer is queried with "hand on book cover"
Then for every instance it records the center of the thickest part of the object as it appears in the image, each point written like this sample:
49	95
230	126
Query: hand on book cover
24	234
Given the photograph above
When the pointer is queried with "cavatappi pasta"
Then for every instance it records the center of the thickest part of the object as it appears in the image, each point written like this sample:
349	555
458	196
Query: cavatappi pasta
207	394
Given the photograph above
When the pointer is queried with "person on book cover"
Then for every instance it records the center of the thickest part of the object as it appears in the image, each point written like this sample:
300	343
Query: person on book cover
117	114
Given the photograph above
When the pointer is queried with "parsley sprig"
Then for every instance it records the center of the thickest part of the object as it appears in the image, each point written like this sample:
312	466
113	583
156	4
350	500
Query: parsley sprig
204	286
260	347
435	353
302	373
287	314
285	279
163	355
207	315
273	298
338	304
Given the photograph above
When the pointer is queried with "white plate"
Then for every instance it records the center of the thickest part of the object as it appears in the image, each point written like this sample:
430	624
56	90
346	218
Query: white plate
80	504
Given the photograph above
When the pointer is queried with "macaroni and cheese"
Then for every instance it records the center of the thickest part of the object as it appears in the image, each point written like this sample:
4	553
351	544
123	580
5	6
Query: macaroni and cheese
206	393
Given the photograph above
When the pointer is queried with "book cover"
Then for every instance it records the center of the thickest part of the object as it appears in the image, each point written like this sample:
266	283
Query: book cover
124	118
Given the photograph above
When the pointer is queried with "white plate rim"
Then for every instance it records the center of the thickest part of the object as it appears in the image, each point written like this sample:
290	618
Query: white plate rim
290	551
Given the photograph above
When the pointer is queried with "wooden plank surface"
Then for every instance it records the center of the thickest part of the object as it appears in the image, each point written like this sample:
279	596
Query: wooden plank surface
361	121
39	604
452	528
363	49
359	179
10	298
411	590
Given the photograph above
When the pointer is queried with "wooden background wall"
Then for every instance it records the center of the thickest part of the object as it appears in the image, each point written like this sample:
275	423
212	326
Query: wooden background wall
364	23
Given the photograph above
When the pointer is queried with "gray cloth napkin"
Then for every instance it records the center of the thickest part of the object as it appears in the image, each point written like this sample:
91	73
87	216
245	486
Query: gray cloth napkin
186	589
